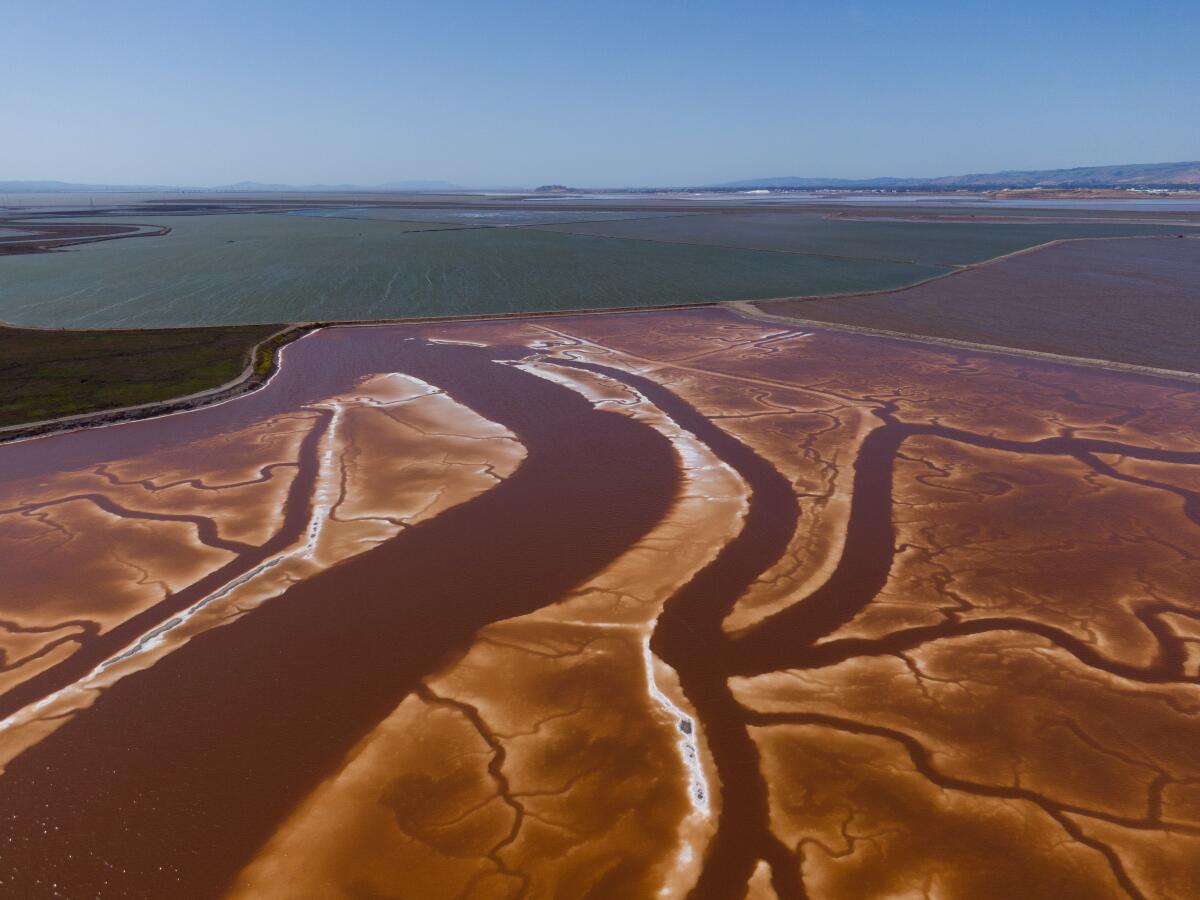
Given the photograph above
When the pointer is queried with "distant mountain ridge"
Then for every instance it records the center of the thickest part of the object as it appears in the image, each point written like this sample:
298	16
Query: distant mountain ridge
53	187
416	185
1145	175
1176	174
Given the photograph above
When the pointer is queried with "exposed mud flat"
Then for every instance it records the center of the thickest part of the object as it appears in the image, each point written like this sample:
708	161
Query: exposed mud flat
643	605
33	236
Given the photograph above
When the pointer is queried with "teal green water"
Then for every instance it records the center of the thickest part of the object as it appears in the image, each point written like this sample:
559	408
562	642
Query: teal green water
464	217
228	269
232	269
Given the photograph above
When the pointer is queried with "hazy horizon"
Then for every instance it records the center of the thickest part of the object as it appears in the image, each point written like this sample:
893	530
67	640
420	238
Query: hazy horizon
535	93
432	184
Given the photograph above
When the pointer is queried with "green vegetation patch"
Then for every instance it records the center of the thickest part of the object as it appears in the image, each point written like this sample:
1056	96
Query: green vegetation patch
48	374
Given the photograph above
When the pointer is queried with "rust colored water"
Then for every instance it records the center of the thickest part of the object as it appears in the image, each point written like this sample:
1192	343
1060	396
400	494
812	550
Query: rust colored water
664	604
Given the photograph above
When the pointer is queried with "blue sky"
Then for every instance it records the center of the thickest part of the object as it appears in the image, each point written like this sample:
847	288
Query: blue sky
588	93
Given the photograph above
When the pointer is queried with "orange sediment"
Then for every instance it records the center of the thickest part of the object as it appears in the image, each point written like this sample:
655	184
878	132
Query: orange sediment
662	604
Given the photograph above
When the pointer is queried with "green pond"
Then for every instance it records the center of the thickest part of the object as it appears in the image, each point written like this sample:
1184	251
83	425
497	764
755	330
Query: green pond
246	268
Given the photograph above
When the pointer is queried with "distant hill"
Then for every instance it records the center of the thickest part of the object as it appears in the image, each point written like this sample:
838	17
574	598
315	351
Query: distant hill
1178	174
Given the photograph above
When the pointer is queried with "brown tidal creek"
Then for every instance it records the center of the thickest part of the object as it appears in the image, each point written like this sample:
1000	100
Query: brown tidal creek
665	604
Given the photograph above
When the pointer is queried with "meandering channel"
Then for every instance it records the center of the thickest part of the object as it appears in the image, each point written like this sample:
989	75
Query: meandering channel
168	784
